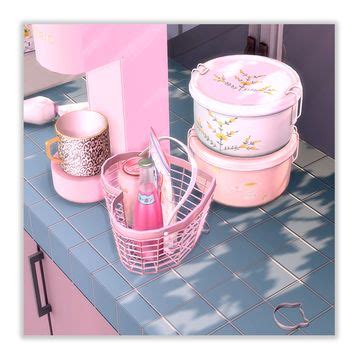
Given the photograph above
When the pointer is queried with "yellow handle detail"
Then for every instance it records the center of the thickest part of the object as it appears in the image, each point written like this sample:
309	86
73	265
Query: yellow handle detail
48	144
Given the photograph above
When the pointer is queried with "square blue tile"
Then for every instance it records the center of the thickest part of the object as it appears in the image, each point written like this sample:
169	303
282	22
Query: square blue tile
74	88
323	282
323	169
80	98
196	251
67	208
30	147
266	277
108	285
307	154
242	218
42	216
31	196
196	317
260	321
204	272
179	130
167	292
324	203
238	254
27	222
35	165
105	245
219	231
302	184
44	185
133	314
29	128
215	206
46	133
91	222
181	103
323	325
226	331
312	227
159	327
232	298
84	260
135	280
299	258
62	237
179	75
298	293
270	236
282	202
112	281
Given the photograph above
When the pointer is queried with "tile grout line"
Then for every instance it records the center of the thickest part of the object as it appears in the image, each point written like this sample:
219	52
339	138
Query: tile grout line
298	279
323	312
34	143
242	232
224	325
313	161
297	235
314	176
181	118
251	288
203	298
299	201
266	299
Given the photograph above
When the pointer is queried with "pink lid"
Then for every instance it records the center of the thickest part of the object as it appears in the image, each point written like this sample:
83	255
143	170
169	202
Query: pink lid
131	166
245	85
243	164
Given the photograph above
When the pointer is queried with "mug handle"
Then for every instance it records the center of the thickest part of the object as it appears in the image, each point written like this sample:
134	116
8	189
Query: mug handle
48	144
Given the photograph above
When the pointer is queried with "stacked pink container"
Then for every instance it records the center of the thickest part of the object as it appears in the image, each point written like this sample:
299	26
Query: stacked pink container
245	111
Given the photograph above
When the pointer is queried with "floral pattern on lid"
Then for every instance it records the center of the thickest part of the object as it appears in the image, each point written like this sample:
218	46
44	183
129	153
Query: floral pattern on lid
244	85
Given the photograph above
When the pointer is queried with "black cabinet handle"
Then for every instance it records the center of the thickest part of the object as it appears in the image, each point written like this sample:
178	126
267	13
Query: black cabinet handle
37	257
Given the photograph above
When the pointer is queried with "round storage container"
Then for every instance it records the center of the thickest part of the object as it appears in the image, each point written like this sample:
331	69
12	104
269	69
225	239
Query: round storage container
245	105
246	182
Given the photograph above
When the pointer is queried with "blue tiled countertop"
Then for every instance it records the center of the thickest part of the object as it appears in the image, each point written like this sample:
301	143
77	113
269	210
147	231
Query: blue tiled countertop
251	260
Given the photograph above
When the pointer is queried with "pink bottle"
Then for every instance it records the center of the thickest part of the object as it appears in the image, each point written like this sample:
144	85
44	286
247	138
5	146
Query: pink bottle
148	211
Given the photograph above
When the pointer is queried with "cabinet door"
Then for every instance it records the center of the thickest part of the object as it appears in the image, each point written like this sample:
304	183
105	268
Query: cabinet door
72	313
33	324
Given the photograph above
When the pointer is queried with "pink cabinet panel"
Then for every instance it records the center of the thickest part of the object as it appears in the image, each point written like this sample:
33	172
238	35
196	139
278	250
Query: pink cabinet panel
72	313
33	324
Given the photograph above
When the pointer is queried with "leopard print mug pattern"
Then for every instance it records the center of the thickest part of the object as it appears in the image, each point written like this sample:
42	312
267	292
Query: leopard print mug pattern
83	142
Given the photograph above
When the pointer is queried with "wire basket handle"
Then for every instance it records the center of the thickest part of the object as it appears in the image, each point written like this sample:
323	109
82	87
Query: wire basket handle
194	171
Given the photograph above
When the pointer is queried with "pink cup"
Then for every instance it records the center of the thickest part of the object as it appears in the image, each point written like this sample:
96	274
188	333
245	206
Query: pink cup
83	142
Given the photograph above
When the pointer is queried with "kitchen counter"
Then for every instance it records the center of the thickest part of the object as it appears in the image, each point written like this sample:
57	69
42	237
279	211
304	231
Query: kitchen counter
251	260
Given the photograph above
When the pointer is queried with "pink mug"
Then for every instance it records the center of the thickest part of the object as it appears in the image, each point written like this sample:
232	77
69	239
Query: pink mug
83	142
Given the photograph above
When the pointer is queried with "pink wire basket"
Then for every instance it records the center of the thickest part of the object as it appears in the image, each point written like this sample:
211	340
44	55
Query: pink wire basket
153	251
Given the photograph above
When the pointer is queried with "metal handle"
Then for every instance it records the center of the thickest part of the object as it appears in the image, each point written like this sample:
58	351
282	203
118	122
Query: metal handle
194	170
299	98
201	68
38	257
302	324
48	144
296	153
